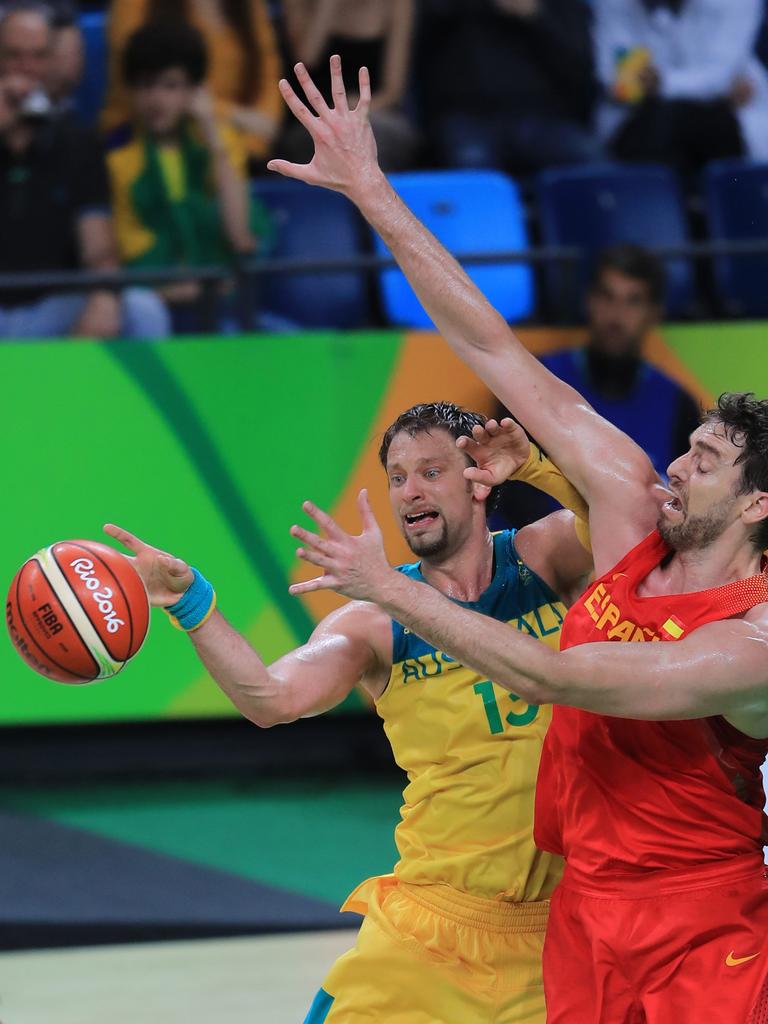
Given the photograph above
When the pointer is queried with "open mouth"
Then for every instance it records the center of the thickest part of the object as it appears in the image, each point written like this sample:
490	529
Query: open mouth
419	518
674	505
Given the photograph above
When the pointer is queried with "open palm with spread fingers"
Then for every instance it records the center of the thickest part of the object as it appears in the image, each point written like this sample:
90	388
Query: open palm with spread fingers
165	577
497	449
355	566
345	150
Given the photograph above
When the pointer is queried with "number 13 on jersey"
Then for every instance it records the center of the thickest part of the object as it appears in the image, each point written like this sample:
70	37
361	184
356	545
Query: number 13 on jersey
493	712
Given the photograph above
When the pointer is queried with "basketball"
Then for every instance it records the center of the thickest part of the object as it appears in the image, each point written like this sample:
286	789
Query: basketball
77	611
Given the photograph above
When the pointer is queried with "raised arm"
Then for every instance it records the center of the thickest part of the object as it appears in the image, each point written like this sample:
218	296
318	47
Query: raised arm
611	472
229	172
352	645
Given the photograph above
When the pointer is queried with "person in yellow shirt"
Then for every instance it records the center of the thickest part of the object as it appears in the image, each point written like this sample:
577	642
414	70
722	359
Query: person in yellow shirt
179	186
243	61
456	933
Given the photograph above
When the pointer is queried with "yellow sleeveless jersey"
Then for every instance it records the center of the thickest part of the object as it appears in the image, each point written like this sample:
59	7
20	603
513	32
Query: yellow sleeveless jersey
471	750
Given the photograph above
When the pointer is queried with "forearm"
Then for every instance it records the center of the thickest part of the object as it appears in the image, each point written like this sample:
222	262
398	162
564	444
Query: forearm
251	121
397	53
232	196
495	649
547	407
540	472
239	672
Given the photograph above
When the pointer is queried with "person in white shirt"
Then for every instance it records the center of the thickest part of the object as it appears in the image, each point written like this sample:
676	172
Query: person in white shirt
681	80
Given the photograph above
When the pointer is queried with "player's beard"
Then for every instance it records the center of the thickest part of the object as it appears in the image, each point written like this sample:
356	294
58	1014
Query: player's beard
432	545
696	531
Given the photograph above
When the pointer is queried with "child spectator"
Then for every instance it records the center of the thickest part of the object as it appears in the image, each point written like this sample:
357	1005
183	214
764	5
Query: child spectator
180	190
243	62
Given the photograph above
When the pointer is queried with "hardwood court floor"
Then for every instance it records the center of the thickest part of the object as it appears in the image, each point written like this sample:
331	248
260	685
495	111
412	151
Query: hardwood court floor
264	980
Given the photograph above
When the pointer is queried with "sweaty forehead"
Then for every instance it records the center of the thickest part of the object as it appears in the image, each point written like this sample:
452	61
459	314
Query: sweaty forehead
436	443
713	435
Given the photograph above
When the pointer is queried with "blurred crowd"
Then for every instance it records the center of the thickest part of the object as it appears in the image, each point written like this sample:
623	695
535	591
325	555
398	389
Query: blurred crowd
191	112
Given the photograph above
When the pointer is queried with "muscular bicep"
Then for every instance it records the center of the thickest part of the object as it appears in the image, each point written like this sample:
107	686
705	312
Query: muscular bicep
350	646
720	669
605	465
623	509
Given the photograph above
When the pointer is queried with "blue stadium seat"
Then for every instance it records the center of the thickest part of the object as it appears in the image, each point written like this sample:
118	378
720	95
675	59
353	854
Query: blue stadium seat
89	98
590	207
736	199
311	223
469	212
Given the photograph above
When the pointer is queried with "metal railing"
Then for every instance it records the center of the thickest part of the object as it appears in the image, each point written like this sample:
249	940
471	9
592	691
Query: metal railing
248	272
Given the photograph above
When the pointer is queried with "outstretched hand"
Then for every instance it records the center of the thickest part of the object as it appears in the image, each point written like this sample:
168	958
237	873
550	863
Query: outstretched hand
497	449
355	566
345	149
165	577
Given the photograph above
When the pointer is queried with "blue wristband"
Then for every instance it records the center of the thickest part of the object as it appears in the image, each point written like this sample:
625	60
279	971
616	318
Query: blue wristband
194	606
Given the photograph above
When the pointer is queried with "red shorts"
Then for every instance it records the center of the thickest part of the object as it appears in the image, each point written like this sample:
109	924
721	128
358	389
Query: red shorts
679	947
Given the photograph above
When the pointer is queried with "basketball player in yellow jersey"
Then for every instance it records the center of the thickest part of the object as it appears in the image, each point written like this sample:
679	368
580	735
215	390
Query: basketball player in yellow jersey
455	935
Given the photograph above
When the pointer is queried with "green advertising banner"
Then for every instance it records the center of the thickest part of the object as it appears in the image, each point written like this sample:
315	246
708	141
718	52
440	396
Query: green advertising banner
207	447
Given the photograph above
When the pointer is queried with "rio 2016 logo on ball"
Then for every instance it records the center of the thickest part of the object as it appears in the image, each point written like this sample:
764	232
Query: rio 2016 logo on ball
77	611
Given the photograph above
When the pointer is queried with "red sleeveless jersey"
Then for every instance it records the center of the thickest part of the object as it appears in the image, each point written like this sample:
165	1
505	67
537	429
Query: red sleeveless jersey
620	795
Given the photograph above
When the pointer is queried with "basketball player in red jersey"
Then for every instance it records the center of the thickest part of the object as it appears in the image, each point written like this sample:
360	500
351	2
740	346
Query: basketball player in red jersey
650	779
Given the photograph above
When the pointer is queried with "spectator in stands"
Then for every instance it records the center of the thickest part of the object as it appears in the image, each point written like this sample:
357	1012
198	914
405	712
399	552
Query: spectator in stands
54	203
243	61
376	34
68	56
624	305
681	79
67	53
508	83
180	189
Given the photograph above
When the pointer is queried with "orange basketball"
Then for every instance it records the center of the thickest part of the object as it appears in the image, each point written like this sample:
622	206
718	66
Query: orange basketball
77	611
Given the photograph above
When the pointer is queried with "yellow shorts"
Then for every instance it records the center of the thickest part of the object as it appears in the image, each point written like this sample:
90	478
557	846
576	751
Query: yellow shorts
427	954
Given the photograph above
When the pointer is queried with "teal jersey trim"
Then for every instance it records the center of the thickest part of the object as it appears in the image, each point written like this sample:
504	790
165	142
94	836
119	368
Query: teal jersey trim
514	591
319	1009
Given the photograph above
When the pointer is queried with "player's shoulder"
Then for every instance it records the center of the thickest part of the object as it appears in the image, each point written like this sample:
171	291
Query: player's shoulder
126	161
758	616
552	549
356	617
363	631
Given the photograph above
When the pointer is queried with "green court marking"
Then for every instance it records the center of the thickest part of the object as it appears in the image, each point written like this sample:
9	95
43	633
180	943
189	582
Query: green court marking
317	838
146	366
287	416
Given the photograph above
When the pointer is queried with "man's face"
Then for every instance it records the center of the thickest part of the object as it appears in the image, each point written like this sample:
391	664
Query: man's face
704	482
620	313
160	102
435	507
25	51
